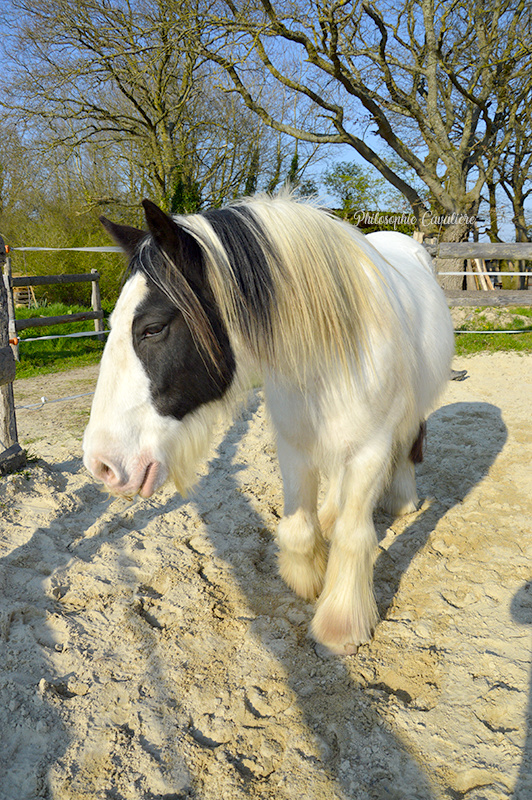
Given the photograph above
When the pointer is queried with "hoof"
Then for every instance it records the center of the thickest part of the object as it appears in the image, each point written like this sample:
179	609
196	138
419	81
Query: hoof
304	573
328	652
399	508
343	630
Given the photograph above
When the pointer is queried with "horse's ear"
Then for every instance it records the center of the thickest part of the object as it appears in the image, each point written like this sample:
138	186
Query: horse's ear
126	236
174	240
161	226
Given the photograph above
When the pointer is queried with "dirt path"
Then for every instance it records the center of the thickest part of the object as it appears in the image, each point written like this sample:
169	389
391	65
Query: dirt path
149	651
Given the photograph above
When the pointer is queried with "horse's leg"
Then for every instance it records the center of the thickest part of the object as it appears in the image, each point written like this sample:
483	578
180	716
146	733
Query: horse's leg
303	552
346	613
328	512
400	496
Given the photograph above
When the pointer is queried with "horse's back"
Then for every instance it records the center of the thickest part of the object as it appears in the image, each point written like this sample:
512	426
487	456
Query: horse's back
408	271
401	249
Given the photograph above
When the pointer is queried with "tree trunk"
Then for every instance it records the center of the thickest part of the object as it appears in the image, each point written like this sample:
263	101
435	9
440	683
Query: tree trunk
493	231
521	235
453	233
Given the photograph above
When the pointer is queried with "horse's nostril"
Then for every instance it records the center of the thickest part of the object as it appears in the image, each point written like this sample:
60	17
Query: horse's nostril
105	472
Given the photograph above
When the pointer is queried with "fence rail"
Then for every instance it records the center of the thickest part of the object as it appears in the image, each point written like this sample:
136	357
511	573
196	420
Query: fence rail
477	275
16	325
499	251
39	322
44	280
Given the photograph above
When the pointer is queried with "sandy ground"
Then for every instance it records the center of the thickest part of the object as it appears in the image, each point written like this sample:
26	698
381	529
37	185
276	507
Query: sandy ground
149	651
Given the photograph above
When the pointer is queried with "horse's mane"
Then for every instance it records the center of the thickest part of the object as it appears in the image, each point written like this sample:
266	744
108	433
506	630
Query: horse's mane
294	284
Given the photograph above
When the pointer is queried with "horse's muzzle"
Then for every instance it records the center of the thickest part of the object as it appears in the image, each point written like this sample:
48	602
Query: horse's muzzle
143	477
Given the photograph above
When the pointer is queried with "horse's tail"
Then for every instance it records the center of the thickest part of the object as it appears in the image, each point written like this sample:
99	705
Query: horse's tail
416	452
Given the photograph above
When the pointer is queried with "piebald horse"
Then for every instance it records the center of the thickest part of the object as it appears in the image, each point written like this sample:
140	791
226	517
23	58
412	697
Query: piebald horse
353	339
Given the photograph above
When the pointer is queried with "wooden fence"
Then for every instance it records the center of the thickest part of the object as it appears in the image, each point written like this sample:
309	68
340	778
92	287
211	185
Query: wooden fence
513	251
477	253
12	456
16	325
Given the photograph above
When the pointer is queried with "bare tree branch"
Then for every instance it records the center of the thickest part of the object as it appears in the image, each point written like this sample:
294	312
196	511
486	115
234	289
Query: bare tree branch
431	79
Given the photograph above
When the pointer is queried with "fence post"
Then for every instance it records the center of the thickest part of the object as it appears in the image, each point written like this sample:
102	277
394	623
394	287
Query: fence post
96	301
8	283
12	456
523	279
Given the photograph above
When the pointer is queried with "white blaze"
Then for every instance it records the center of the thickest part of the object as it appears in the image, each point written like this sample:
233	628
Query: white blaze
127	443
123	436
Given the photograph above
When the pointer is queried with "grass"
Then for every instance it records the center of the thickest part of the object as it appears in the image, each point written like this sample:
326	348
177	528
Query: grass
508	319
54	355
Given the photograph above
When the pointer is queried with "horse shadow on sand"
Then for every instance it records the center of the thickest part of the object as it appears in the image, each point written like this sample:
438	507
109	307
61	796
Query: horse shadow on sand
463	440
39	696
359	755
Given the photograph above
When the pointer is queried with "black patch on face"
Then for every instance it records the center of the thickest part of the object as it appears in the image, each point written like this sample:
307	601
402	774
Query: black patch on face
181	379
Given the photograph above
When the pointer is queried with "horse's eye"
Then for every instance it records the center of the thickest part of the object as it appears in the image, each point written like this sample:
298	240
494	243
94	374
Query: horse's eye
153	330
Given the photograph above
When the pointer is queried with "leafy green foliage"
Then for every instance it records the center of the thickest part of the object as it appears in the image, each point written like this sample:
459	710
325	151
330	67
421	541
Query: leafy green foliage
56	225
364	198
185	197
358	188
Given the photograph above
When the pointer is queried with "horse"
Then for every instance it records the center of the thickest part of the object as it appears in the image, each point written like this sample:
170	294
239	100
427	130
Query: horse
353	340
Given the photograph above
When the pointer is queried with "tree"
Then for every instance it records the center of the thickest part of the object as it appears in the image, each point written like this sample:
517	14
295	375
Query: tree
427	79
514	170
512	175
127	79
359	189
15	167
95	71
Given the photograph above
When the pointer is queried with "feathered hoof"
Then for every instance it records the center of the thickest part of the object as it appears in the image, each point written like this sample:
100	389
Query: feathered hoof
399	508
304	573
343	630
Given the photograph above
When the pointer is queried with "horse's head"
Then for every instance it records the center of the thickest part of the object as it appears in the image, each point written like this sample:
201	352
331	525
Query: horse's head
166	363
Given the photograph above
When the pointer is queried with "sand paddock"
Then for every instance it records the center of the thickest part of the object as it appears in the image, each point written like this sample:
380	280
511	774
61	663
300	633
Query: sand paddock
149	650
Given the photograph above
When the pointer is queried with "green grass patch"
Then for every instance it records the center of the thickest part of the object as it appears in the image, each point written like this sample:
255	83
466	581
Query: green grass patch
54	355
495	319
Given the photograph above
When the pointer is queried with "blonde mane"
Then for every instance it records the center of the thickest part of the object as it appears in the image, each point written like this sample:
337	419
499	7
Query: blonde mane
327	291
